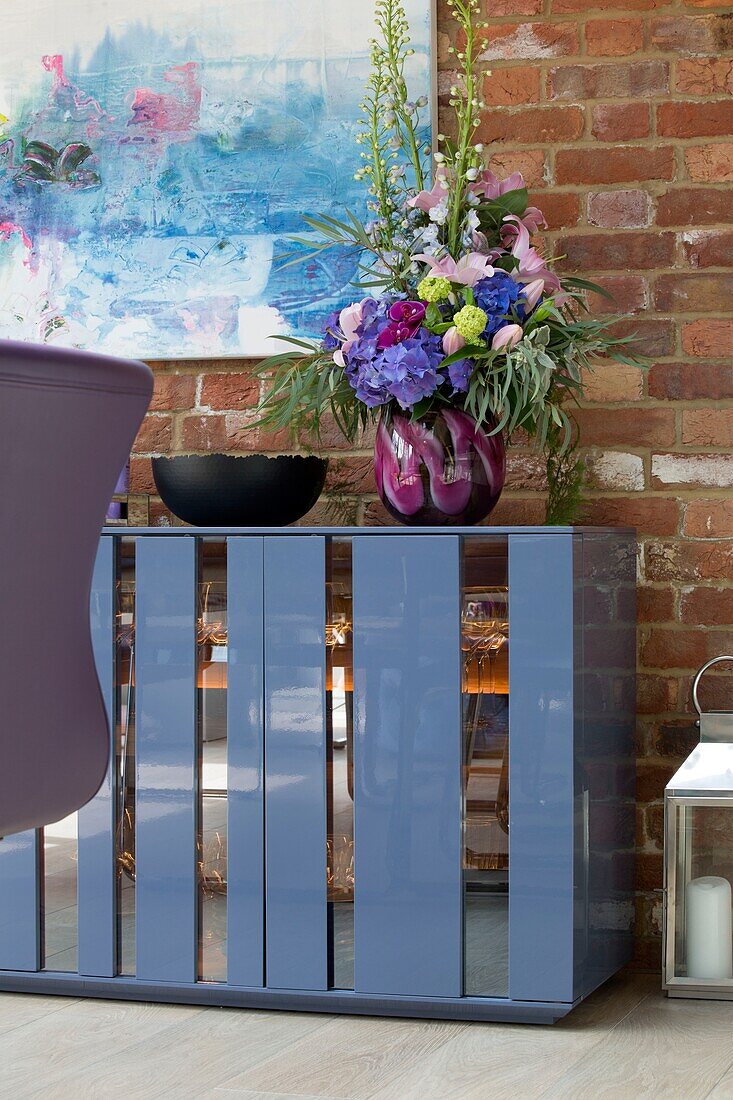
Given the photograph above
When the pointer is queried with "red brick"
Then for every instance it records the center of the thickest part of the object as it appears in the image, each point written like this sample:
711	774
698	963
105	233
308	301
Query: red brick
204	433
711	338
620	121
614	37
673	648
707	427
619	209
351	474
638	427
530	162
688	120
545	124
242	435
510	86
707	606
141	476
704	75
229	391
655	694
525	470
653	337
160	516
528	40
694	206
154	436
516	7
513	511
706	471
655	605
709	519
635	80
173	391
687	382
688	34
571	7
649	865
707	247
686	562
693	293
650	515
630	295
611	383
617	251
710	163
620	164
561	208
652	777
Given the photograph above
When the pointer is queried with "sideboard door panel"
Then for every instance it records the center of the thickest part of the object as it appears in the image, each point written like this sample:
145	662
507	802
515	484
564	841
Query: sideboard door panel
245	746
407	765
295	762
165	671
541	767
20	901
96	877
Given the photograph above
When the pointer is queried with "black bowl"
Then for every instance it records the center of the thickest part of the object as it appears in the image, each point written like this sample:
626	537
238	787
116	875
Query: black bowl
225	491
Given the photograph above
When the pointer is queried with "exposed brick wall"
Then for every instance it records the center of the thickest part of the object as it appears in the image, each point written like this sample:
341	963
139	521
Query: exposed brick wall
619	115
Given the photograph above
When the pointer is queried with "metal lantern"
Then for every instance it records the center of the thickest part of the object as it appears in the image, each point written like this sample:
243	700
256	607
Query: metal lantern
698	845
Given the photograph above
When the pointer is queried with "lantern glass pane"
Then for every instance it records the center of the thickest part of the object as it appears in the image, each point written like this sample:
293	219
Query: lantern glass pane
704	875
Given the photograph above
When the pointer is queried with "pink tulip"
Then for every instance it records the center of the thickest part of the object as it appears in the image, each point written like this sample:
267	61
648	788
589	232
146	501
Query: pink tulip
489	186
533	292
467	271
453	341
507	337
427	200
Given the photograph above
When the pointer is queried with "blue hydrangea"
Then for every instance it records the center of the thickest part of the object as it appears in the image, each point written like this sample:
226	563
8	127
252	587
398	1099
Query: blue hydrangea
496	296
331	326
405	372
459	374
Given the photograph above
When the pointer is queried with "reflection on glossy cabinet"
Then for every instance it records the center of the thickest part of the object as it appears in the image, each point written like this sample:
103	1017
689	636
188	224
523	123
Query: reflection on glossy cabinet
378	771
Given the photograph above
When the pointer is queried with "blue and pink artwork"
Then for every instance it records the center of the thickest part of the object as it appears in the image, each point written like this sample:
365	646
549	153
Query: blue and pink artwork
154	159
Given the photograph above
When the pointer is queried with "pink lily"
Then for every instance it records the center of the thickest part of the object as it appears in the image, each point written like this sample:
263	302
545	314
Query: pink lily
427	200
533	220
531	265
453	341
508	336
489	186
533	292
467	271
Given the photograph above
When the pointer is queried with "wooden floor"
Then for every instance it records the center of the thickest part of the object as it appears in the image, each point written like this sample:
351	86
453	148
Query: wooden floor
626	1041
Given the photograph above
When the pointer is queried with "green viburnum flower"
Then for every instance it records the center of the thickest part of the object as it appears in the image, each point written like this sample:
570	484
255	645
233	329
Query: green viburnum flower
470	322
433	288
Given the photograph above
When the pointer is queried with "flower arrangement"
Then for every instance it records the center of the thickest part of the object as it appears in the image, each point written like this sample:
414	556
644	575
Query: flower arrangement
459	310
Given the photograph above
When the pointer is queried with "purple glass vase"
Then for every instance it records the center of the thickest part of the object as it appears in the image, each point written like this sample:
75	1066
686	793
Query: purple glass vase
438	470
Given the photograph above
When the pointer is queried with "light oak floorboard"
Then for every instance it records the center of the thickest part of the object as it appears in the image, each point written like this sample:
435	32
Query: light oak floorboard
64	1044
348	1059
188	1059
18	1009
513	1060
674	1049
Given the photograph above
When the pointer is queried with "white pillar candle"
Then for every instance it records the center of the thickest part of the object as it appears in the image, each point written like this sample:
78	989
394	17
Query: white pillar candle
709	932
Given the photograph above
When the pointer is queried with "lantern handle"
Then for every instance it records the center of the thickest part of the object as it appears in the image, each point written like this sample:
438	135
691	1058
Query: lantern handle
698	678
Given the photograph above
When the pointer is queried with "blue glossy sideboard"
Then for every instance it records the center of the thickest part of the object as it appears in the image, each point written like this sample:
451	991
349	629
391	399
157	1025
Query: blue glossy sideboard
384	771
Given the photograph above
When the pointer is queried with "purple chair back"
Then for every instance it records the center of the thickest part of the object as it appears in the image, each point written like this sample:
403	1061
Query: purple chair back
67	422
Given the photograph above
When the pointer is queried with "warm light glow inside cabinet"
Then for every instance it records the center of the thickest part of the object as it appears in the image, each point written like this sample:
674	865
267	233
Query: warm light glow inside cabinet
378	771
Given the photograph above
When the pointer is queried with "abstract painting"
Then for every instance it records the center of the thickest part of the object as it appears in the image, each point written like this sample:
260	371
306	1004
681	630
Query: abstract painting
155	158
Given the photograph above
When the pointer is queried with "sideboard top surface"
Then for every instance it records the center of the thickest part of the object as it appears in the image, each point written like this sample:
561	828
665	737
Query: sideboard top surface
350	532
